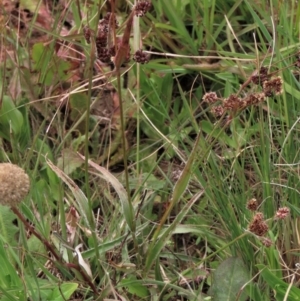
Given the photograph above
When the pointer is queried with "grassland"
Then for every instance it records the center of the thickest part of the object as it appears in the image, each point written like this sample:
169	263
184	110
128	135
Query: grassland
162	149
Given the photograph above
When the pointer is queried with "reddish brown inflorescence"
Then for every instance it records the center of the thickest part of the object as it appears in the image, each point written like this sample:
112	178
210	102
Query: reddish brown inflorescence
141	57
273	86
282	213
258	226
233	103
210	97
267	242
252	205
218	111
141	8
254	99
259	79
87	34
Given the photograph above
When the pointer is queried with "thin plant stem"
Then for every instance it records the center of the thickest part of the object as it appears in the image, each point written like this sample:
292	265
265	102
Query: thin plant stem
50	248
120	59
35	233
86	150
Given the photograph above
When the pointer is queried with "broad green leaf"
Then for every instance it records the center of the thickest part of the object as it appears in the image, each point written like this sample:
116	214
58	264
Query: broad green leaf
37	53
52	68
79	104
67	289
9	278
291	90
69	161
229	279
7	229
10	118
31	5
44	149
149	180
134	287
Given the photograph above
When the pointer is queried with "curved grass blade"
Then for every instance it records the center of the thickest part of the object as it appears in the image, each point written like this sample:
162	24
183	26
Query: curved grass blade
82	201
127	207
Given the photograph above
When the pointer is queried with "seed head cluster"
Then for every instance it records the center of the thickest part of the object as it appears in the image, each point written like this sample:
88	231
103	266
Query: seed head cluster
87	34
258	225
141	8
267	242
218	111
273	86
282	213
261	77
210	97
103	51
106	26
233	104
14	184
254	99
141	57
252	205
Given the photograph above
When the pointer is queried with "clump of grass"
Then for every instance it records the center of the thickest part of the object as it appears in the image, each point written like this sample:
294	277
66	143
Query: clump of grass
157	188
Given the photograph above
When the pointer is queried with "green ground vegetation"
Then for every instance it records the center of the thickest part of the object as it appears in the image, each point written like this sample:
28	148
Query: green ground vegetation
161	146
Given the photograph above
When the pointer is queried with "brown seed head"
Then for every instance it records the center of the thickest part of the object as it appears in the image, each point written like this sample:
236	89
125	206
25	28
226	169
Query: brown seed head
254	99
142	8
282	213
267	242
258	226
104	55
14	184
87	34
218	111
233	103
259	79
210	97
273	86
101	39
252	205
141	57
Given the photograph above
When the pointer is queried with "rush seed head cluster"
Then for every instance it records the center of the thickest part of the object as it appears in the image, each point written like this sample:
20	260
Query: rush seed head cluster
107	48
270	86
258	225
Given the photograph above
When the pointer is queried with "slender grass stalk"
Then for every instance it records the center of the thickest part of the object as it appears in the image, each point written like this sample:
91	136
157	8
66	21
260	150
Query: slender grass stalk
86	150
51	249
35	233
136	37
120	58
